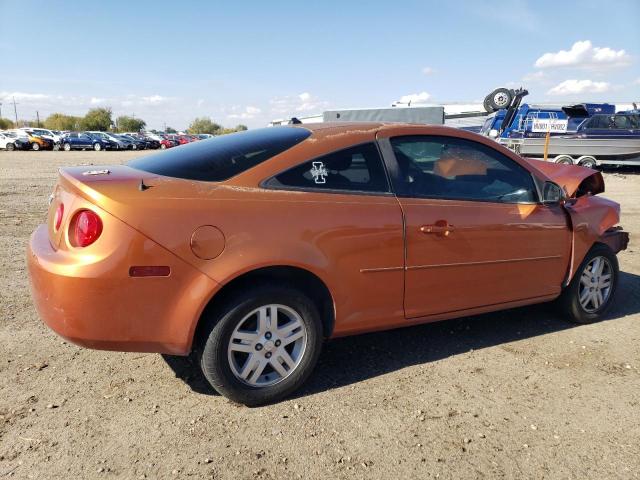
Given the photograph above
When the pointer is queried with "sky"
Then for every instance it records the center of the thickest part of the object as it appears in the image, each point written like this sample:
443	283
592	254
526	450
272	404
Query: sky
251	62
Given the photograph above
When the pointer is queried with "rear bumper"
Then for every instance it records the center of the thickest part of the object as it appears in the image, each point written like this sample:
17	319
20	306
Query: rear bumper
91	301
616	239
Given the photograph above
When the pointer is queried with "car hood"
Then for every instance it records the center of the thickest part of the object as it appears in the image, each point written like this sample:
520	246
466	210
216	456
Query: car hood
575	180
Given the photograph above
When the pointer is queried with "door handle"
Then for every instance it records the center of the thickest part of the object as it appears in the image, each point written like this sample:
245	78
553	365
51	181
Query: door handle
441	227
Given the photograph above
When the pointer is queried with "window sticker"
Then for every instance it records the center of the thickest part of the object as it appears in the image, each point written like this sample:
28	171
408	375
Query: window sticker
319	172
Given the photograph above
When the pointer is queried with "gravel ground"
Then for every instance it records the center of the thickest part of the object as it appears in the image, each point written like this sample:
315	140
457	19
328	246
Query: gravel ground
516	394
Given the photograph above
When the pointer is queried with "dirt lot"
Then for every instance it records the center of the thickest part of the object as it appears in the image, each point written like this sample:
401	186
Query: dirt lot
517	394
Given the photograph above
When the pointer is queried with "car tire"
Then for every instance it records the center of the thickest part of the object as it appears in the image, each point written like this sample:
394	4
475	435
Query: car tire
163	147
10	147
500	98
230	372
585	299
67	147
97	147
35	146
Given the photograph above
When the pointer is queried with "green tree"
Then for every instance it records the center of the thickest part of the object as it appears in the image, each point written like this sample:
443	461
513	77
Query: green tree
241	128
204	125
5	123
170	130
60	121
130	124
97	119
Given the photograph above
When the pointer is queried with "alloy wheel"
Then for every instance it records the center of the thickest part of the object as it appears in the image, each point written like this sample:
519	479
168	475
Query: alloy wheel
267	345
595	284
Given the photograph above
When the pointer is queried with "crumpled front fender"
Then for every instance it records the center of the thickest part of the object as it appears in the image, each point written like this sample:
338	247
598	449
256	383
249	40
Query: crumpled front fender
592	220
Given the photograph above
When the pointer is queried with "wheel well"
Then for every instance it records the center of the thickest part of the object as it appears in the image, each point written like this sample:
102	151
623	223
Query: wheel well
305	281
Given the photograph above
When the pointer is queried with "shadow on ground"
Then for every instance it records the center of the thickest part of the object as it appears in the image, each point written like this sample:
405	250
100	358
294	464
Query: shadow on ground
349	360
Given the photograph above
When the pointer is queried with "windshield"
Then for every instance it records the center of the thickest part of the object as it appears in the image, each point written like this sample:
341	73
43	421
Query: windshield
222	157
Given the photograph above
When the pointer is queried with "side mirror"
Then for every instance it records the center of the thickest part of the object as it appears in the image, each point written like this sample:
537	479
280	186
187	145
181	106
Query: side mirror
552	193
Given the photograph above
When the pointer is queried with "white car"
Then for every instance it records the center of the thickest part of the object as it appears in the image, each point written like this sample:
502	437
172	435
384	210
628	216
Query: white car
45	133
8	141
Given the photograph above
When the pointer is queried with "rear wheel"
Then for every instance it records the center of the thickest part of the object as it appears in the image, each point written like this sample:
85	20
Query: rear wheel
35	146
591	291
11	147
97	147
262	345
163	146
67	147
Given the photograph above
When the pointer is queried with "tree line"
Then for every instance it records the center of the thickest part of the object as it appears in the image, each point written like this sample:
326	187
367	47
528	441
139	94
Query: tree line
101	119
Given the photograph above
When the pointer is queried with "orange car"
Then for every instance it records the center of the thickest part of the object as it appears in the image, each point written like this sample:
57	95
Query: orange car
252	248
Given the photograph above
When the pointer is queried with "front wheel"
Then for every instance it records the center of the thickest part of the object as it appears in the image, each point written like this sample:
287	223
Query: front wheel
591	291
11	147
262	345
97	147
35	146
163	146
67	147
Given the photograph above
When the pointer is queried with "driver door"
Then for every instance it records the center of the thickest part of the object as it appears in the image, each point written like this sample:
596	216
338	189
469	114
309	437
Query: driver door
475	234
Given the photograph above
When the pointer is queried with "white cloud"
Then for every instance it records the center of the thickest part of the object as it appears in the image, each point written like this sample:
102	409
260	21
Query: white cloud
427	71
637	82
96	101
154	99
572	87
415	98
302	103
534	77
584	54
249	112
23	96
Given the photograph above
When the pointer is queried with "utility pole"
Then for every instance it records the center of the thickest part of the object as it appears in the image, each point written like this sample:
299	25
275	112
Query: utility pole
15	111
38	118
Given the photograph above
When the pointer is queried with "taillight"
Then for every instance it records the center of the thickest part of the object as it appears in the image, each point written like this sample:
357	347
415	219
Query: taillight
87	227
57	220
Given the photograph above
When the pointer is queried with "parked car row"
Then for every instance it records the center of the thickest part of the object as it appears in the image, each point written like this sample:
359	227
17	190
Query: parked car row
45	139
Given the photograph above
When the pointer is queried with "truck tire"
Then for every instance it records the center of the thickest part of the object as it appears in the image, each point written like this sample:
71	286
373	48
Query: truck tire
499	98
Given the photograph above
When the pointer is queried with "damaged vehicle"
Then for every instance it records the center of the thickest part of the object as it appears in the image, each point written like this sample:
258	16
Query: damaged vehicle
251	249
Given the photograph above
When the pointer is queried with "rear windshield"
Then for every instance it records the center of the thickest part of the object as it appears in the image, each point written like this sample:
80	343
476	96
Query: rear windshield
220	158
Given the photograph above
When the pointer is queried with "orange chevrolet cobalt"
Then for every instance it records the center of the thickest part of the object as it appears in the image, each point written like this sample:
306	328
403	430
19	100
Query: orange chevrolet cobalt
251	249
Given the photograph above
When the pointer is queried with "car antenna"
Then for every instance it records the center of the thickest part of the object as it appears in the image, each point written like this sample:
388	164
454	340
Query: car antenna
142	187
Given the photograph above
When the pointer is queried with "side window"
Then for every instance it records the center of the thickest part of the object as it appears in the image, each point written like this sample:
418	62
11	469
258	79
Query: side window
452	168
622	121
354	169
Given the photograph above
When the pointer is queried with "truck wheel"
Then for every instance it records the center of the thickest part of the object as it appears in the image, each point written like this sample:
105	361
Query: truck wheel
564	159
500	98
262	345
590	293
587	161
